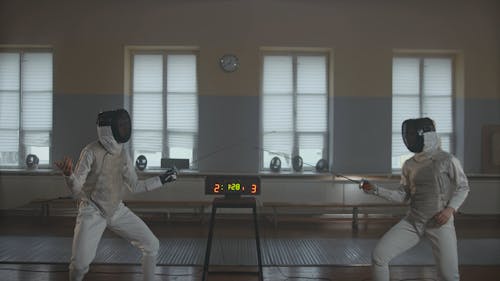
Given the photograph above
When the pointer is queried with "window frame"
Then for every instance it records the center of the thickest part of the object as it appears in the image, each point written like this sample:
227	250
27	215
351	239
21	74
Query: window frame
22	50
421	56
326	135
130	52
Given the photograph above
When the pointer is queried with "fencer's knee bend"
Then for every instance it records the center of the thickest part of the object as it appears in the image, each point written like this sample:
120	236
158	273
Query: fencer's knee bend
378	258
79	265
151	246
77	270
450	274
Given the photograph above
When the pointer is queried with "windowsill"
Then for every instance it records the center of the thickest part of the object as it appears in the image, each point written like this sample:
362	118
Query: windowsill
29	172
263	174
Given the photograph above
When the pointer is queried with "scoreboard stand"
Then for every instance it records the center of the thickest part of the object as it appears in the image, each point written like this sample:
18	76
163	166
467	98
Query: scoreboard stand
232	187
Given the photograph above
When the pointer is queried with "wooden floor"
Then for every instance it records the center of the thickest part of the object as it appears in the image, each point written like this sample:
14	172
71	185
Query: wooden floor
467	227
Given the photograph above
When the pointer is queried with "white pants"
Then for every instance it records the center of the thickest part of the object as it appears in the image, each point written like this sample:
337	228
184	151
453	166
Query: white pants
90	225
404	236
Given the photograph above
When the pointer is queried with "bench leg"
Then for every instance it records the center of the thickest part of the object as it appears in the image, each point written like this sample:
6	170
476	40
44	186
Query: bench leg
355	212
202	214
257	241
209	244
44	209
275	218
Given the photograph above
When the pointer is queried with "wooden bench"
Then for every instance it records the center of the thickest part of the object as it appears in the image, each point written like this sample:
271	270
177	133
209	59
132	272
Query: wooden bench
69	205
326	208
166	207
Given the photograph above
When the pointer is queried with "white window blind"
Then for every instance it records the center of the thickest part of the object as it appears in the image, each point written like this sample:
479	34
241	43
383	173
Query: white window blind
182	106
294	108
10	91
25	107
147	108
422	87
164	107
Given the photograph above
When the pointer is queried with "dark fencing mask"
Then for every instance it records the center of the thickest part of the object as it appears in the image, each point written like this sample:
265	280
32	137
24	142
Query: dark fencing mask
119	121
413	133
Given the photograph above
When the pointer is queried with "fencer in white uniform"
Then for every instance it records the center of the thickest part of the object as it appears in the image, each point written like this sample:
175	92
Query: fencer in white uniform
434	184
100	179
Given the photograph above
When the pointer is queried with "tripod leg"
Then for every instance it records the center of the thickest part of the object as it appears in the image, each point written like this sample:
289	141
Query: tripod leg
257	240
209	244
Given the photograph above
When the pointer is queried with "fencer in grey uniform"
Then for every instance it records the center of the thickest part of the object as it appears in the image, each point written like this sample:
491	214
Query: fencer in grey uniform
100	179
434	184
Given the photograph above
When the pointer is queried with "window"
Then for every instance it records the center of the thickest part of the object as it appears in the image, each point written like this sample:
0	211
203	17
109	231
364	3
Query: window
421	87
294	108
164	106
26	86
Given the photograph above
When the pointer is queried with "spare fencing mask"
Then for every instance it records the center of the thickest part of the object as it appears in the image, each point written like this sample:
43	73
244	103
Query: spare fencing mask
119	121
413	133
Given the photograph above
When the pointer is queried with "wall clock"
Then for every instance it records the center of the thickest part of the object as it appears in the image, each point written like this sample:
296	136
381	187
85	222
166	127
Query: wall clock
229	62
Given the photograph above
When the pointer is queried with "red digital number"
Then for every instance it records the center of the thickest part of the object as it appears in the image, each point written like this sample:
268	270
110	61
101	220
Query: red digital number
216	188
254	189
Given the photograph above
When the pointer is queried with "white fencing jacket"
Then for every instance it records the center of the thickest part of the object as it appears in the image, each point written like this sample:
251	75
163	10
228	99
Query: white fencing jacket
430	181
103	173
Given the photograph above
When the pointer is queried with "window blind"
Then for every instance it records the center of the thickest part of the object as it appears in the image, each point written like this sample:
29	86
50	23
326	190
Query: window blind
164	106
37	104
182	106
26	93
9	108
147	108
422	87
294	108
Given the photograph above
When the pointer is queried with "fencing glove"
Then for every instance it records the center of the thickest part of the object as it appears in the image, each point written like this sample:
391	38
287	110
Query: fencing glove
368	187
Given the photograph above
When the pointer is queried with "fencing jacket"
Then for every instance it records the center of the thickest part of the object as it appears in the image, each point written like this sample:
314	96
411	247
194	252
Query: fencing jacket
430	181
103	173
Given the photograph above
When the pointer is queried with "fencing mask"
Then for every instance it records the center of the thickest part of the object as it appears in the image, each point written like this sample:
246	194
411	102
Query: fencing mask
119	121
413	133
